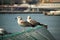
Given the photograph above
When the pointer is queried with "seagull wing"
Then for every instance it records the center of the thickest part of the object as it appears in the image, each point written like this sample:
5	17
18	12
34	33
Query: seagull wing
33	21
25	23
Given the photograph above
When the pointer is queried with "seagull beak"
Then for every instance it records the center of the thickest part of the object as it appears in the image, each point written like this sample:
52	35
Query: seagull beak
15	18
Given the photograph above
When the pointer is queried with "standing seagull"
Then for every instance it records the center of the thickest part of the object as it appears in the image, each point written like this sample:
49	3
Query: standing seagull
22	22
33	22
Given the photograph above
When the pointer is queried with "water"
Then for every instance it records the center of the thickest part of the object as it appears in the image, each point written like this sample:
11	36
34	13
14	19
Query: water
9	22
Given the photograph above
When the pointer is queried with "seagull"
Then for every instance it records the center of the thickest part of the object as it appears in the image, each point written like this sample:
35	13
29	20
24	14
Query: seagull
33	22
21	22
1	31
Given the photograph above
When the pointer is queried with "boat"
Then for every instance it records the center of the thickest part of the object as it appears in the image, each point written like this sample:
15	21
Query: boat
36	33
55	13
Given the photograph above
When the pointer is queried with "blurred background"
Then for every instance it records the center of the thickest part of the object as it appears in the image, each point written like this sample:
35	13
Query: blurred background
27	1
9	23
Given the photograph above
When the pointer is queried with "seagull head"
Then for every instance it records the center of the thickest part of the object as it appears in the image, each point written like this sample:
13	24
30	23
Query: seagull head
19	18
1	29
28	17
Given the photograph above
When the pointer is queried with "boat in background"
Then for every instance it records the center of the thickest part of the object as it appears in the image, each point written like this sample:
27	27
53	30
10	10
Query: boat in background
55	13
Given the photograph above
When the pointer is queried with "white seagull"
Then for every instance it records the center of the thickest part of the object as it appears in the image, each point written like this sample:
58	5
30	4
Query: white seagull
1	31
22	22
33	22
